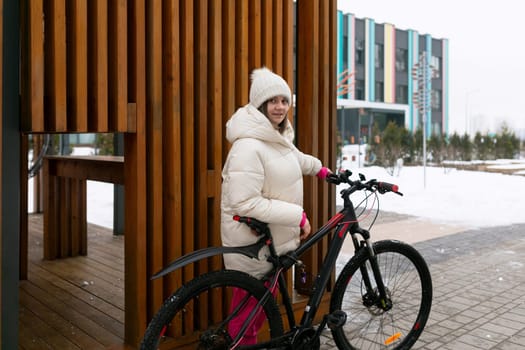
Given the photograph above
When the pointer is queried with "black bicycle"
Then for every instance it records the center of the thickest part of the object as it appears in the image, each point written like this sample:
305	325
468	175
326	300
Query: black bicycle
381	299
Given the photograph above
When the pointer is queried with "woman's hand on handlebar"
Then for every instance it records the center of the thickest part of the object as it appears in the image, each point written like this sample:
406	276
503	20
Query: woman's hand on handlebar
323	173
361	184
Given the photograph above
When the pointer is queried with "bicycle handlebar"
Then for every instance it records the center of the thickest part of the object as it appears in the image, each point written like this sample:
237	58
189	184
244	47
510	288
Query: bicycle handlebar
362	184
343	177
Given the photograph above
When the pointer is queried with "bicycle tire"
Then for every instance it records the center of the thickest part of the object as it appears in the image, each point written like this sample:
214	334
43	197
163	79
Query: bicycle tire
195	298
409	286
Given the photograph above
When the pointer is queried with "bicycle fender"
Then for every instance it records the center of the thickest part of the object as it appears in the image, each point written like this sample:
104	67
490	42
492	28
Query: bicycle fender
250	251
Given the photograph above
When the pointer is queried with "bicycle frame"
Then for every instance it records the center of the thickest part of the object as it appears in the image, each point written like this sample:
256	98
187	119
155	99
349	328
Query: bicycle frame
345	221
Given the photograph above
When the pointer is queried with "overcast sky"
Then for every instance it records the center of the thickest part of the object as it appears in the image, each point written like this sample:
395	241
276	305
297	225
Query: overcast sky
486	53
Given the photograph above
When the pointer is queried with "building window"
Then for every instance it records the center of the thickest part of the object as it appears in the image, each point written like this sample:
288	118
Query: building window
436	100
402	94
360	52
436	67
345	49
379	91
359	89
401	60
379	57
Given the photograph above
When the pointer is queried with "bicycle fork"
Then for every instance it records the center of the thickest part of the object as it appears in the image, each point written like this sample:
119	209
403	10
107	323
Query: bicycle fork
370	298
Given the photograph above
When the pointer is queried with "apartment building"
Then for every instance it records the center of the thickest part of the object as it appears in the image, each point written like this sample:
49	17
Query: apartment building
389	74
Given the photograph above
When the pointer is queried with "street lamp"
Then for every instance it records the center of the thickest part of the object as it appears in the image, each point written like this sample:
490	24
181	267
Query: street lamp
422	75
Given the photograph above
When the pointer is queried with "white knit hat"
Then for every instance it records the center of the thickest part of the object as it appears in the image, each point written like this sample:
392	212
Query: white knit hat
265	85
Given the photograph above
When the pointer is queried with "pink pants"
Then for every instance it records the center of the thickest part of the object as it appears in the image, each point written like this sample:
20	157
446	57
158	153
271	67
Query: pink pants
250	336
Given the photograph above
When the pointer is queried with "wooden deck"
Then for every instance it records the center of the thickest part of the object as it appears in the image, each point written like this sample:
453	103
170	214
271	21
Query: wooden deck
73	303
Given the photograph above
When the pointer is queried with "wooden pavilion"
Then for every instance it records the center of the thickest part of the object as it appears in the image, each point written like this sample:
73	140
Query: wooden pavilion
166	74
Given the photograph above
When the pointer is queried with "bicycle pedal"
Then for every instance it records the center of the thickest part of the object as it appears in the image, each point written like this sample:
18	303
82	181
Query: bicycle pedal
336	319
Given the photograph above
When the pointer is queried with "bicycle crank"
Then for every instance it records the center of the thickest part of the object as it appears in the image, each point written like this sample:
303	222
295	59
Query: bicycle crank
306	339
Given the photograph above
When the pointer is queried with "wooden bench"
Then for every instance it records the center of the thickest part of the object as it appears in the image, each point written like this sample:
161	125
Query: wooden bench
65	203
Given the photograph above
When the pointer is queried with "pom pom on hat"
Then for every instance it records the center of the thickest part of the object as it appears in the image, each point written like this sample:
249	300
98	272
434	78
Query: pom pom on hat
265	85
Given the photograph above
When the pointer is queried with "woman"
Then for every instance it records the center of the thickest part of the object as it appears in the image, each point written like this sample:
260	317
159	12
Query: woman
263	177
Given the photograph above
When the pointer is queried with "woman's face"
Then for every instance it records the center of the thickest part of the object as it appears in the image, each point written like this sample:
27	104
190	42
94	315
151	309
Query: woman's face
277	108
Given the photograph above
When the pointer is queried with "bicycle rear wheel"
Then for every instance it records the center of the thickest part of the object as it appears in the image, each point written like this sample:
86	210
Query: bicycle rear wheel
370	324
197	315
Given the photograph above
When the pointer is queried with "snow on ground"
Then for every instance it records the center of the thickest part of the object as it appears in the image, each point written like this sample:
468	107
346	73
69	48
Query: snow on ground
83	151
470	198
100	203
475	199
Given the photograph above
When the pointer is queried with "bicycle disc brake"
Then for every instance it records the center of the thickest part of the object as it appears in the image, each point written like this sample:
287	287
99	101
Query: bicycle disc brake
374	303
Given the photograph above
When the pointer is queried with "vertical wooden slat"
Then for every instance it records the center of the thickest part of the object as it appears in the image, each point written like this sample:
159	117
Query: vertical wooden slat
241	53
188	138
75	223
228	66
82	216
288	44
332	108
266	33
64	210
287	73
202	127
201	141
278	36
2	308
98	66
287	53
187	122
172	210
324	84
154	144
136	296
255	43
187	53
33	66
24	148
50	219
331	111
77	65
55	66
322	126
118	66
215	108
214	147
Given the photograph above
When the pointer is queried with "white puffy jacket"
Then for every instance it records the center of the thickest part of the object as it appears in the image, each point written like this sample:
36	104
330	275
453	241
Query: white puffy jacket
263	179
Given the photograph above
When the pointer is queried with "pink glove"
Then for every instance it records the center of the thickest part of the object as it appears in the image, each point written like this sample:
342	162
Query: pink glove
323	173
305	227
303	220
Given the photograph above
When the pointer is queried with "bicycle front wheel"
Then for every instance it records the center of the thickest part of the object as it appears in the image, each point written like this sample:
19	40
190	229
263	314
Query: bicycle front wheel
373	323
200	315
